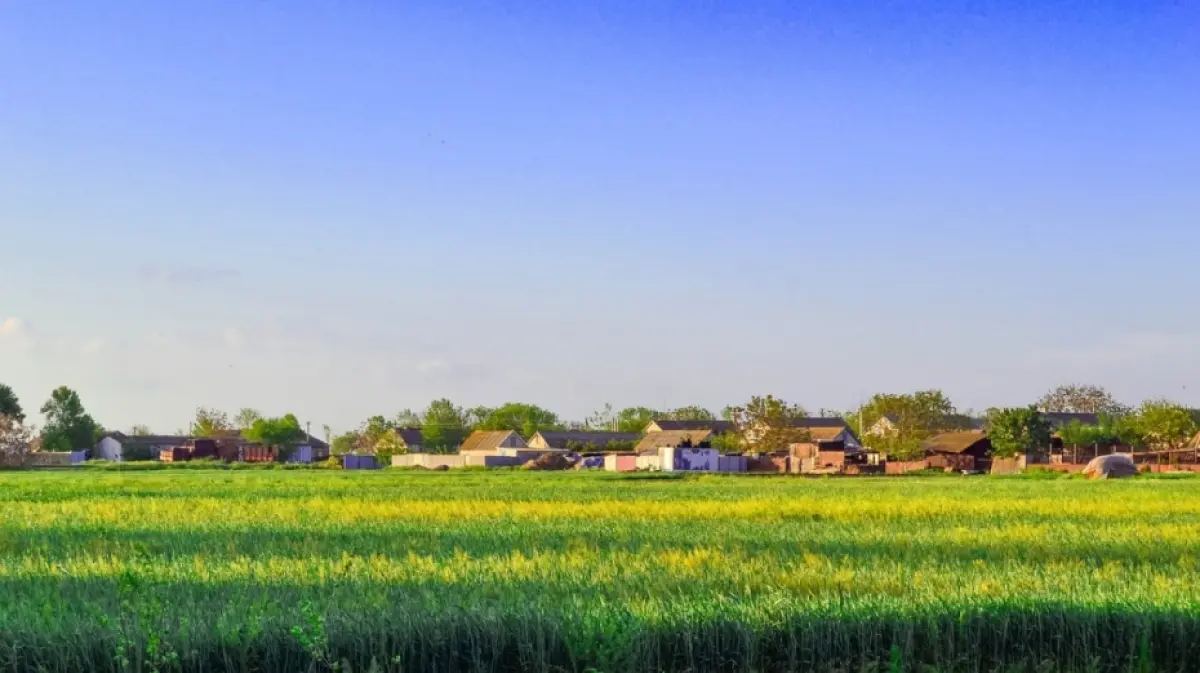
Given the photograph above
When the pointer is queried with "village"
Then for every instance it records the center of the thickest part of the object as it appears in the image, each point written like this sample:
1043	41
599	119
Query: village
828	446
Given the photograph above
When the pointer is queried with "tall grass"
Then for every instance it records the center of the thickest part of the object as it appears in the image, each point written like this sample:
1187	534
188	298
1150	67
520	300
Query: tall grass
327	570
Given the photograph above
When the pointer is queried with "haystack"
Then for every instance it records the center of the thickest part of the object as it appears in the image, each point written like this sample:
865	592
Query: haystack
549	461
1114	466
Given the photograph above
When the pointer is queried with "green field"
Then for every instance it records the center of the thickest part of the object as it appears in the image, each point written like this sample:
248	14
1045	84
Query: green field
472	571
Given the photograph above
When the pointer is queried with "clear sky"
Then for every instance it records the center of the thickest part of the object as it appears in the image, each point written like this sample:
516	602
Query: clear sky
345	208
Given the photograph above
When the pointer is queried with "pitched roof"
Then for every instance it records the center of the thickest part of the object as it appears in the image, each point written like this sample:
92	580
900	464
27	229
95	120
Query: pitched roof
1058	419
316	443
954	442
820	422
669	425
485	440
411	436
152	440
654	440
559	440
825	434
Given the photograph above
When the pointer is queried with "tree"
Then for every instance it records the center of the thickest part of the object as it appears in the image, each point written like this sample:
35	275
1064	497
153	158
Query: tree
388	445
1080	399
443	425
1014	431
210	423
635	419
912	418
372	431
245	418
1165	424
345	443
476	416
524	419
769	424
407	418
691	413
9	405
15	440
140	431
68	426
602	420
279	432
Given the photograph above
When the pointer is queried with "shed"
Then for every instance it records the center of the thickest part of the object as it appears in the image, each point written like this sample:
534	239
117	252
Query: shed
492	442
959	450
675	439
671	425
584	441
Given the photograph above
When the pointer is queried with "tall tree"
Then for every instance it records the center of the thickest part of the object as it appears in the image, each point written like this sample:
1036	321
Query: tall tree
68	426
475	417
768	423
911	419
407	418
210	423
443	425
1165	424
15	440
1014	431
245	418
1080	399
524	419
372	432
140	431
602	420
691	413
281	432
10	406
635	419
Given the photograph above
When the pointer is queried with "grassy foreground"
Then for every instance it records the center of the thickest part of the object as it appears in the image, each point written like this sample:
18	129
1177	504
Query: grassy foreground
473	571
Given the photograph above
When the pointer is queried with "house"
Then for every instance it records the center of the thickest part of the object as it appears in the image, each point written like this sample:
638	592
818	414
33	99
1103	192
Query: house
411	439
117	446
653	441
889	424
669	425
820	429
966	450
584	441
492	442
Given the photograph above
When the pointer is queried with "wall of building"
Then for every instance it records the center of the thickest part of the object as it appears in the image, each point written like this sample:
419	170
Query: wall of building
108	449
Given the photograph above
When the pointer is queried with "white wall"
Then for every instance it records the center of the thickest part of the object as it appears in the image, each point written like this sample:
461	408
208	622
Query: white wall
108	449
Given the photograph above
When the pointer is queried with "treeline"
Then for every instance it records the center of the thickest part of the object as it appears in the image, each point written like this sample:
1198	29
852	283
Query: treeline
895	424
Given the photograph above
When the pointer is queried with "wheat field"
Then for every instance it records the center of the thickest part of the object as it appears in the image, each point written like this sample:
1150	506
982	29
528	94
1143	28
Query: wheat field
307	570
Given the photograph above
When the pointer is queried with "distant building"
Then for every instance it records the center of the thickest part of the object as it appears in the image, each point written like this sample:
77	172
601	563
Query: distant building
589	441
671	425
411	439
116	446
696	439
494	442
967	450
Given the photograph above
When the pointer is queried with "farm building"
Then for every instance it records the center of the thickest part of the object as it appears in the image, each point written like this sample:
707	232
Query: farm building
959	451
116	446
889	424
829	452
494	442
669	425
584	441
412	440
654	441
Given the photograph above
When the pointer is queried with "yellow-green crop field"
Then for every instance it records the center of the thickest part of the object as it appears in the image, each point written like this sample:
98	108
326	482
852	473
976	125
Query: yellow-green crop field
225	570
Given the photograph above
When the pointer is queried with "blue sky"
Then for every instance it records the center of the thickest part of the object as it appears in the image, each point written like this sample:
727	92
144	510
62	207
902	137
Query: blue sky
341	209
